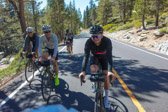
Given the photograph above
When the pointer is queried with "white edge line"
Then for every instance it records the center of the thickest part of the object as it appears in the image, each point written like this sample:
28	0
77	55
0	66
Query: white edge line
141	50
20	87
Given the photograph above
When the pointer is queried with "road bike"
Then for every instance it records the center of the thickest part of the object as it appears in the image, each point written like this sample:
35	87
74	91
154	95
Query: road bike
98	80
30	67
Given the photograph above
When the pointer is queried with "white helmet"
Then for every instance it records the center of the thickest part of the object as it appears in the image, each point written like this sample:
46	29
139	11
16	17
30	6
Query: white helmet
29	29
46	28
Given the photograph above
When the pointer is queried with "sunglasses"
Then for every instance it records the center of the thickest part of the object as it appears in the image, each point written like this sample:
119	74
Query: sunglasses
30	32
95	36
47	32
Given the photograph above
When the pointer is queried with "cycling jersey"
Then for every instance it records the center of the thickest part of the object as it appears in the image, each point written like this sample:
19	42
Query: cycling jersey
68	37
101	52
34	40
51	44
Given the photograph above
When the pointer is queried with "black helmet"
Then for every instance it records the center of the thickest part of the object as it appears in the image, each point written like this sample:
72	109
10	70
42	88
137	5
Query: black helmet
96	29
67	30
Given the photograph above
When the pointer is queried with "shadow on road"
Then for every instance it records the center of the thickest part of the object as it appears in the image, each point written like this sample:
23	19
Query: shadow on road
141	79
8	107
71	99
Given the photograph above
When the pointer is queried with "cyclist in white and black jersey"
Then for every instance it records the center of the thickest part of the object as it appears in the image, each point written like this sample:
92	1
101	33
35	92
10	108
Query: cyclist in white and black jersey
51	48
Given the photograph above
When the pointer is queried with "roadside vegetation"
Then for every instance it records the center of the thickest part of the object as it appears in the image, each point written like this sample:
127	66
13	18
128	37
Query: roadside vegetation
115	15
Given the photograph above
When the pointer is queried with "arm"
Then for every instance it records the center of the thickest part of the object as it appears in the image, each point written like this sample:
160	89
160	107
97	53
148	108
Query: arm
25	43
109	56
37	43
86	56
55	46
40	46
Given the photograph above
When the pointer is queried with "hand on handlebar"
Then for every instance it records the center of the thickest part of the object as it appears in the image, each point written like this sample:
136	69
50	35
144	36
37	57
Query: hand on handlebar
82	77
111	76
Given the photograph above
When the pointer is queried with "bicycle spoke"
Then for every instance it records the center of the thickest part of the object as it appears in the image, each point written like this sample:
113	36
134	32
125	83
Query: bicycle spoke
46	86
29	71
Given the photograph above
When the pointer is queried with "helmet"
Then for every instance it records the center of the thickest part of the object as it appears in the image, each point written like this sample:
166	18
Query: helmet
29	29
67	30
46	28
96	29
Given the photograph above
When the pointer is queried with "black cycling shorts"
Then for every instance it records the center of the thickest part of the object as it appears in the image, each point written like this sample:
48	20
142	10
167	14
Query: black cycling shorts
102	61
70	40
51	52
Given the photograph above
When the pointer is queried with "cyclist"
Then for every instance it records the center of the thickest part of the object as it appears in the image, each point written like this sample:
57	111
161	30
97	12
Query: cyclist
31	37
69	39
51	48
101	53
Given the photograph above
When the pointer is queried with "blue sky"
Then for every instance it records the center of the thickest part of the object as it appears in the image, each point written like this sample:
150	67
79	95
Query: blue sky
79	4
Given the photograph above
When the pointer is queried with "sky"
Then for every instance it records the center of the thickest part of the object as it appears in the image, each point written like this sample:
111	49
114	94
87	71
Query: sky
78	3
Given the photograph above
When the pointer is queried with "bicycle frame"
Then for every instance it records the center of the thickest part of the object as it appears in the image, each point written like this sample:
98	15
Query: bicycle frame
98	78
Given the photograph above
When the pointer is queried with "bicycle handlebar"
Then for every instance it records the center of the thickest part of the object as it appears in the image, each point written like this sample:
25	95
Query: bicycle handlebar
98	78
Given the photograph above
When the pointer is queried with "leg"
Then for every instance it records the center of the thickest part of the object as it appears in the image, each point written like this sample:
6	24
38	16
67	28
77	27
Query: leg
71	48
56	71
93	68
104	64
37	52
56	67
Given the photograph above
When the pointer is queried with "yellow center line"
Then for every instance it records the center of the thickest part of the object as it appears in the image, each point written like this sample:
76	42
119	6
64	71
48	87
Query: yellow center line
134	100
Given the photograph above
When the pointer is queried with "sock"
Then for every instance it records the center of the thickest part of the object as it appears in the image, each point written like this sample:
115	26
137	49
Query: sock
106	94
106	99
56	80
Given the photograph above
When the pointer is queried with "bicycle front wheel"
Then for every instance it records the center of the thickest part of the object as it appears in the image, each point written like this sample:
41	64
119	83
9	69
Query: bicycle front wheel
46	85
29	71
96	106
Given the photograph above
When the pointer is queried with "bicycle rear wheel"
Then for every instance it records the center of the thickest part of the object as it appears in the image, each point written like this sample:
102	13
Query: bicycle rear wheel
69	50
28	69
46	85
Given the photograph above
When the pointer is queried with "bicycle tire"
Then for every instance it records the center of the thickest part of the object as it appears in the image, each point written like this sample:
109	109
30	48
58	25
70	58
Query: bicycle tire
46	85
96	102
28	77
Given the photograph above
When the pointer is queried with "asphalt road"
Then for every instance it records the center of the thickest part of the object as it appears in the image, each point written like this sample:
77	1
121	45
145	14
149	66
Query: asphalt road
143	72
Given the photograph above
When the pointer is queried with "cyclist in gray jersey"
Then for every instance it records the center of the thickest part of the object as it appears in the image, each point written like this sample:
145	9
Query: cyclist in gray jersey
51	48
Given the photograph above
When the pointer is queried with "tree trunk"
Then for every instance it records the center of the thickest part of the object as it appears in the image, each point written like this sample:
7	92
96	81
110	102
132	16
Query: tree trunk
34	17
157	14
143	15
124	11
20	13
22	17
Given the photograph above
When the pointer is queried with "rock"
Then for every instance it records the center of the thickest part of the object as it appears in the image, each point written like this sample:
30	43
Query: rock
158	34
126	37
145	32
163	47
131	32
143	35
138	31
151	45
113	35
141	38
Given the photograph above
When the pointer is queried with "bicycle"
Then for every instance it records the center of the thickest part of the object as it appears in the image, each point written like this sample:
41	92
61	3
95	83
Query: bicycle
31	66
98	79
48	76
69	47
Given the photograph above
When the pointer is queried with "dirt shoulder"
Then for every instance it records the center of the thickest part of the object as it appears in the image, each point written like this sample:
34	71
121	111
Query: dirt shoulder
144	38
